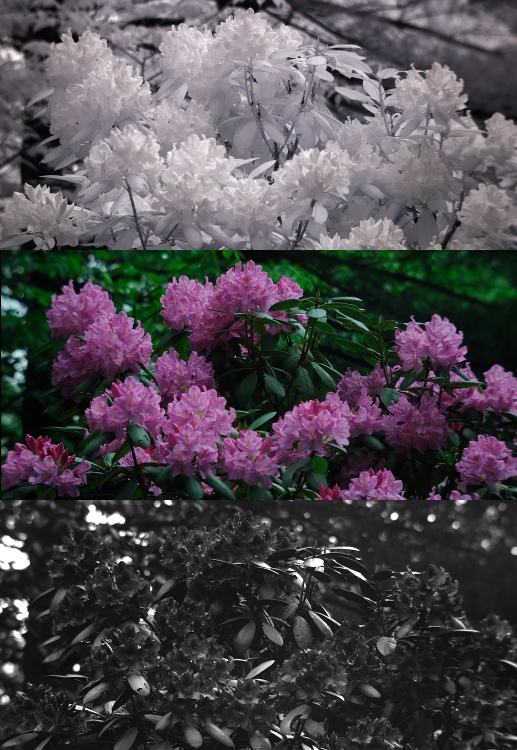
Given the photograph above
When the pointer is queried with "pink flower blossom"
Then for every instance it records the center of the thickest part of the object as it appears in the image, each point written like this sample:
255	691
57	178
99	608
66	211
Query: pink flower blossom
486	461
355	464
326	493
247	458
364	415
309	427
125	402
72	313
143	456
117	345
371	485
175	376
454	495
501	391
207	310
184	302
111	345
440	341
421	427
197	421
42	462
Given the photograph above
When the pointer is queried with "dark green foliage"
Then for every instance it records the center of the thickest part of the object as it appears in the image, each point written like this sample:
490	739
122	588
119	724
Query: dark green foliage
220	637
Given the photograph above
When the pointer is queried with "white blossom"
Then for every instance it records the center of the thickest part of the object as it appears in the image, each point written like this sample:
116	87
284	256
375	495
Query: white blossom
126	154
417	175
488	210
375	235
47	218
71	62
437	91
248	208
183	51
173	124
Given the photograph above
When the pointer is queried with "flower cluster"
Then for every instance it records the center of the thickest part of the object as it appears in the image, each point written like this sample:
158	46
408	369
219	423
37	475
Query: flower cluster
39	461
208	310
439	341
238	149
273	422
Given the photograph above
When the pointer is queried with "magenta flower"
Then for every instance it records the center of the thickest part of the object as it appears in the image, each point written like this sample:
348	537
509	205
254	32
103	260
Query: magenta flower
209	312
72	313
411	427
309	427
326	493
371	485
185	302
440	341
129	401
364	415
247	458
454	495
111	345
42	462
197	421
501	391
486	461
175	376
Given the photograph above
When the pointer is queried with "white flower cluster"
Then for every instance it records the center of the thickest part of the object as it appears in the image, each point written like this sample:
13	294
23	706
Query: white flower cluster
237	149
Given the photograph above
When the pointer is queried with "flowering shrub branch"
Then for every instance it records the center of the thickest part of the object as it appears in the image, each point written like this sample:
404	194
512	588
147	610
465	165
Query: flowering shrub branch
237	149
228	643
237	401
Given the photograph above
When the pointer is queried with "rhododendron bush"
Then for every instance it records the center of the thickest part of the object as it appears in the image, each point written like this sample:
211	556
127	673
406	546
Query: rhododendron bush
239	637
237	149
237	401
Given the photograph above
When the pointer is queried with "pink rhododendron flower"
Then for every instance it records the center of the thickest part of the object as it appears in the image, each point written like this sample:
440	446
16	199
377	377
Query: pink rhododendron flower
309	427
355	464
197	421
326	493
421	427
486	461
130	401
72	313
500	393
175	376
247	458
364	416
208	310
184	302
42	462
440	341
111	345
454	495
371	485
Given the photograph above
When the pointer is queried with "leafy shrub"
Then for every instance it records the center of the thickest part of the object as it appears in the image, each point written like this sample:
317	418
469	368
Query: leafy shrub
227	643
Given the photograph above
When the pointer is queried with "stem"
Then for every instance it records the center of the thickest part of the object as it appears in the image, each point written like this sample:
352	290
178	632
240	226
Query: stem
139	475
138	228
256	108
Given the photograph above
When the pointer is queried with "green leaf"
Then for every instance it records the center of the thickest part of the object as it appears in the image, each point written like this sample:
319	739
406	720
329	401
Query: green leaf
287	476
128	491
285	304
463	384
386	325
409	379
246	388
320	464
304	384
85	384
389	396
319	313
259	493
274	385
138	435
262	420
315	480
371	442
219	486
352	346
324	376
193	488
94	441
324	327
42	348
